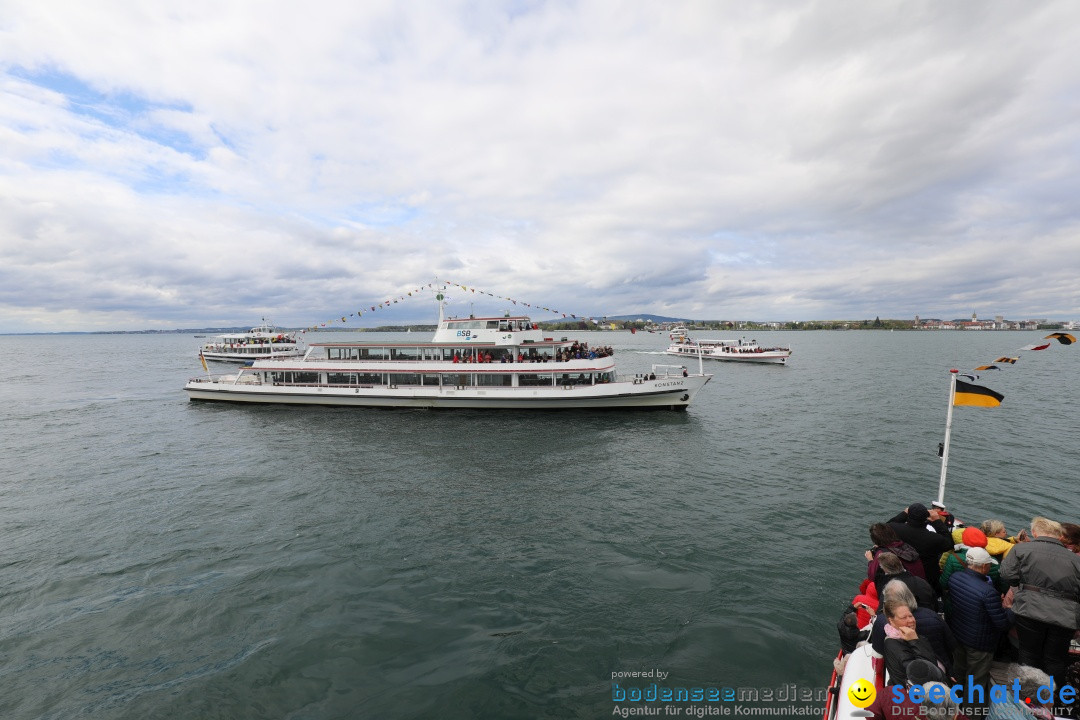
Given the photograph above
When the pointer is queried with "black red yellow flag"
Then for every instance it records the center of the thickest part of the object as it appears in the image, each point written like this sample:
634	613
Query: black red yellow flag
977	395
1010	360
1063	338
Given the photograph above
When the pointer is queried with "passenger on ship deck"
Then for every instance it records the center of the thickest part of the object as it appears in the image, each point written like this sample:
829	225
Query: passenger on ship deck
976	616
910	526
944	708
885	706
903	644
890	567
956	560
1028	706
1047	600
998	542
886	540
945	516
930	625
1070	536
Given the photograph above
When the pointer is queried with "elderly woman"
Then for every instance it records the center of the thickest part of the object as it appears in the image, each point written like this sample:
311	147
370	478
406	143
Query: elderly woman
903	643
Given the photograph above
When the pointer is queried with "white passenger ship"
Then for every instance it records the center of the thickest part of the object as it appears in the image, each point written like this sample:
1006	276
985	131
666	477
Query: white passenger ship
264	341
747	351
495	362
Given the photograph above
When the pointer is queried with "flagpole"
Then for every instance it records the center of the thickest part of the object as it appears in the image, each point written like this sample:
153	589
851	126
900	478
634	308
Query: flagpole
948	434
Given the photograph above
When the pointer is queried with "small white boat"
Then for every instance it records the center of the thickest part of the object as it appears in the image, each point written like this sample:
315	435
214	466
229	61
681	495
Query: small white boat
262	342
742	350
493	362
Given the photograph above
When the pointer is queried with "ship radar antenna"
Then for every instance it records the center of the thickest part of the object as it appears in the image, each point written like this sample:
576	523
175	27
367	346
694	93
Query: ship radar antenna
440	297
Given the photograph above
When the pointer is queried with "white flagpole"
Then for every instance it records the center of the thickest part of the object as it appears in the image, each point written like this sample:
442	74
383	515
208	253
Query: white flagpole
948	434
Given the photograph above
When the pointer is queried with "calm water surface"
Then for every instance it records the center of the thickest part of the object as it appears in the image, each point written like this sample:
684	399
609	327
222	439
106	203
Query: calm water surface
160	558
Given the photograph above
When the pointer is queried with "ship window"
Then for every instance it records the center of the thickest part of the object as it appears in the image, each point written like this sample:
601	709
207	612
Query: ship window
493	380
493	324
305	378
534	380
456	380
374	353
430	379
344	353
409	353
369	378
404	379
341	378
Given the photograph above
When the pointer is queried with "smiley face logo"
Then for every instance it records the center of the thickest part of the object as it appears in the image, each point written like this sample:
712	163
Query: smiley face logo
861	693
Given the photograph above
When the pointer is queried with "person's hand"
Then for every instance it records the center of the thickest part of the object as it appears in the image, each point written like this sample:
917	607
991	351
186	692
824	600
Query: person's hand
908	633
1007	601
869	555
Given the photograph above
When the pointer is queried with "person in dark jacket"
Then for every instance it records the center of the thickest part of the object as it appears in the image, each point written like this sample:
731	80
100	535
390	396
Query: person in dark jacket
976	617
911	527
885	540
1047	601
890	567
930	625
903	644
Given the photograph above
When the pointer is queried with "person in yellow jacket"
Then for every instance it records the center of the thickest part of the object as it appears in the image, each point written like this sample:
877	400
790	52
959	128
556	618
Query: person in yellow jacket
998	544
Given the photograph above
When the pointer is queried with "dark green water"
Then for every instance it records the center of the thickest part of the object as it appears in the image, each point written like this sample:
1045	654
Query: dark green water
160	558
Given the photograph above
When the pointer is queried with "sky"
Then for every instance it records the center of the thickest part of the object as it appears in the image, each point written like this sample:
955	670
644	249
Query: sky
210	163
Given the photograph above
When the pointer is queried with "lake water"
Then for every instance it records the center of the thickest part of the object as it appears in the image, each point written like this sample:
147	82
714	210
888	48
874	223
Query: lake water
161	558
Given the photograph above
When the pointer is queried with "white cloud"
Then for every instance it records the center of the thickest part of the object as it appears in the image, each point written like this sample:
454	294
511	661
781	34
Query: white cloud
709	159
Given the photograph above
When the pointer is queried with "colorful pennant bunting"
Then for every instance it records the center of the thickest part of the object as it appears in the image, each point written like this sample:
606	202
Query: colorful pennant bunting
392	301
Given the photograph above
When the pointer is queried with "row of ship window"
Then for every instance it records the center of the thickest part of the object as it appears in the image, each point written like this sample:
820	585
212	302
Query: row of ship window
444	354
448	379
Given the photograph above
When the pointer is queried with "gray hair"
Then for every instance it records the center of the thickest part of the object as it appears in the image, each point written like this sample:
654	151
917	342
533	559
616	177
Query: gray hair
1031	679
992	527
944	710
890	563
1041	526
899	591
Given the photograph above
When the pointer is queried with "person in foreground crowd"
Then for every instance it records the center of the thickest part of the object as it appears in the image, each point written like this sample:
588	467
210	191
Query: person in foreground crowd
976	618
955	561
1029	706
945	709
886	541
903	643
911	526
998	542
891	568
1047	597
930	625
887	707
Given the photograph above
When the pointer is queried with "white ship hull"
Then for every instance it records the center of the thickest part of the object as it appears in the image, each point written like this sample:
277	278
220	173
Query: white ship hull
730	352
674	393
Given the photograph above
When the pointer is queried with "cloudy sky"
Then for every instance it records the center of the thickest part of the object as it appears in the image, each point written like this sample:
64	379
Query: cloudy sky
209	162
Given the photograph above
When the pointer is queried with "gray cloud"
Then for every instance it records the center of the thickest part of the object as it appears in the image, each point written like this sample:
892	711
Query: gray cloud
712	160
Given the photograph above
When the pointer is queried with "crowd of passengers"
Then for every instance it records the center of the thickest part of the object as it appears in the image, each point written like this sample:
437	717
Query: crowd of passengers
946	604
576	351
